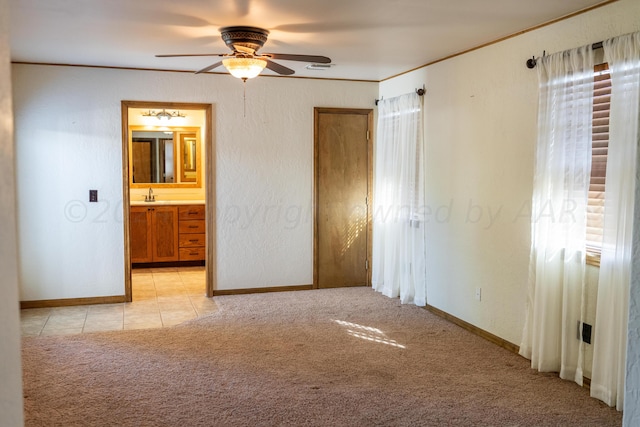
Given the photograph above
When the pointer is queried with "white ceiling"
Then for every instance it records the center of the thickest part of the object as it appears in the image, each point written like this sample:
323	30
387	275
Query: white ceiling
366	39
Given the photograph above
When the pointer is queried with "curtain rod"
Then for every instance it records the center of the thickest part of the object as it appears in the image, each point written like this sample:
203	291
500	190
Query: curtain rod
532	62
420	91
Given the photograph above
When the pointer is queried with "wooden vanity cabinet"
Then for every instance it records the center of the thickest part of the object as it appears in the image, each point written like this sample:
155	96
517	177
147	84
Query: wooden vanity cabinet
154	234
167	233
192	232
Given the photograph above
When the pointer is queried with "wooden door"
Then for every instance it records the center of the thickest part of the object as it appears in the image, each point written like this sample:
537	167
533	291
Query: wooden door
165	233
342	190
141	159
141	246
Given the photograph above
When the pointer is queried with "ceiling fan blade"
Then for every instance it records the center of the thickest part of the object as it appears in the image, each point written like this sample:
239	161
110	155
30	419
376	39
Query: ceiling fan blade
189	54
210	67
280	69
304	58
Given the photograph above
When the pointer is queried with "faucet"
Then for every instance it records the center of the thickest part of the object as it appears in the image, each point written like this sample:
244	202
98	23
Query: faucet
150	197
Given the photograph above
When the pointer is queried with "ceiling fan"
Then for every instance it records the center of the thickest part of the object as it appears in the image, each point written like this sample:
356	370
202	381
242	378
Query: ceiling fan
245	62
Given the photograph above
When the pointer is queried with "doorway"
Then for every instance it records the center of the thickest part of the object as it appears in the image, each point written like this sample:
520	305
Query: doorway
343	183
189	179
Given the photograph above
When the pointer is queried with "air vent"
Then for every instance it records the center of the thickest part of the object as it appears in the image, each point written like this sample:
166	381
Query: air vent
318	66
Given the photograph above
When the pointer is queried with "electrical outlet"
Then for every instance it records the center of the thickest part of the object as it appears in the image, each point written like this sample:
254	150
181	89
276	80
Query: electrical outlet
479	294
93	195
586	332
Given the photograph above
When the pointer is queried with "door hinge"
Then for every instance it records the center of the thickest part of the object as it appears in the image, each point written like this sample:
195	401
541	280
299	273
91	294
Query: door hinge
367	135
366	264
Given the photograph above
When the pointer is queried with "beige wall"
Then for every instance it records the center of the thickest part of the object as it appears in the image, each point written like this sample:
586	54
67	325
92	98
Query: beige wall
194	119
10	365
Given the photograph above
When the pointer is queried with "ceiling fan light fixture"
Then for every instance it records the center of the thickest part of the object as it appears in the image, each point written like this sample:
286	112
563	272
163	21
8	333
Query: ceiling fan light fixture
244	62
244	68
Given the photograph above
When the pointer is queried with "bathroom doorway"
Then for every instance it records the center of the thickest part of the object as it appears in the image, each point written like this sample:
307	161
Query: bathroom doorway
168	164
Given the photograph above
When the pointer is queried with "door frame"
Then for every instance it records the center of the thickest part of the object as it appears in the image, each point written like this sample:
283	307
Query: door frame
209	180
316	135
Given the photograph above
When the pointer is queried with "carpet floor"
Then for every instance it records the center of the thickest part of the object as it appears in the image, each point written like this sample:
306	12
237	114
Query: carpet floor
338	357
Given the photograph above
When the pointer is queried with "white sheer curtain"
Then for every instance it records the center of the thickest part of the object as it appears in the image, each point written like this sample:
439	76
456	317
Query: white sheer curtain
555	298
610	337
398	267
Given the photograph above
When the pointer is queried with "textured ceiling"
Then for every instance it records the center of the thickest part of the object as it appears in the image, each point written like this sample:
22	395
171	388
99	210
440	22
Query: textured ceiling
366	39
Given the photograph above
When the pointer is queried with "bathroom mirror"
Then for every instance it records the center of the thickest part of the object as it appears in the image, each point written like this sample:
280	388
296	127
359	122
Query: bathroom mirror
152	155
168	157
189	150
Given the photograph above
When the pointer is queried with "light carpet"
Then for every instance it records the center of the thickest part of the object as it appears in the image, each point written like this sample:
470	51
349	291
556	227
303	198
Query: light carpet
338	357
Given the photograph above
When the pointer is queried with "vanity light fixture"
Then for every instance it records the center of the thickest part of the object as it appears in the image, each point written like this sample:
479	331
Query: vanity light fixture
163	115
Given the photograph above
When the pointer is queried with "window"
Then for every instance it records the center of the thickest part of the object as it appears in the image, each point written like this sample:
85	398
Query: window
600	146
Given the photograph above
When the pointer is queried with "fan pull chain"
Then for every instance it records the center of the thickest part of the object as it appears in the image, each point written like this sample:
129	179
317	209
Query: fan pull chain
244	98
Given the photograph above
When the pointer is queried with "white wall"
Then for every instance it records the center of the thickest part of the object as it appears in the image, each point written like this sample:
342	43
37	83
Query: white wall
631	416
10	364
480	127
68	140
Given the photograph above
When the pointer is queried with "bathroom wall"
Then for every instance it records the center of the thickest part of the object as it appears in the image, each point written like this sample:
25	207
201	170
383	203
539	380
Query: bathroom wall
193	118
68	140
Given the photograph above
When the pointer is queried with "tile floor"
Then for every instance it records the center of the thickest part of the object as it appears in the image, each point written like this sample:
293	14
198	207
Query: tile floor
161	297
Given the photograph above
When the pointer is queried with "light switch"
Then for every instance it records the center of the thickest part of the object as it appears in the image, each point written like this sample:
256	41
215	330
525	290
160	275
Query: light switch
93	195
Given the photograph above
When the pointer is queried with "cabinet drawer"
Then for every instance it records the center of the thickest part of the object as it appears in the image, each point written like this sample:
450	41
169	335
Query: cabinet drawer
192	240
191	212
191	226
191	254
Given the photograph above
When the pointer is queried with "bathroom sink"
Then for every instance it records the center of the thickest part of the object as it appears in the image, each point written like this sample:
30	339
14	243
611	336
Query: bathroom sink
167	202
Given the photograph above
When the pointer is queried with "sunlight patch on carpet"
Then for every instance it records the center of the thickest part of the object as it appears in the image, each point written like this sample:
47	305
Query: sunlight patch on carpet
368	333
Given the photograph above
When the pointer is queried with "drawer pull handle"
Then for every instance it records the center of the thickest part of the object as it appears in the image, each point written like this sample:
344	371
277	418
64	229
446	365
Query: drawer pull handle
193	253
193	240
193	213
193	226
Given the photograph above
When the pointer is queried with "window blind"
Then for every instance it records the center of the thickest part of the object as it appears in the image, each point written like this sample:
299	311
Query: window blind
600	146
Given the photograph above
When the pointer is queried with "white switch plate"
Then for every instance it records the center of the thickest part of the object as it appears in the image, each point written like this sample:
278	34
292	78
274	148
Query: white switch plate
479	294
